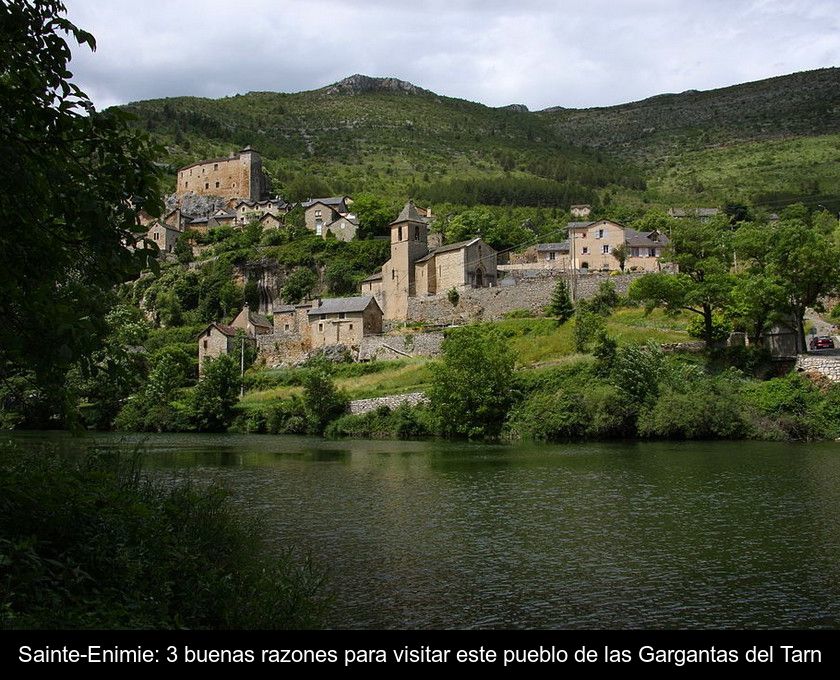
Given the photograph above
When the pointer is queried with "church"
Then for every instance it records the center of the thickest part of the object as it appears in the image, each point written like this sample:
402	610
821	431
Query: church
415	270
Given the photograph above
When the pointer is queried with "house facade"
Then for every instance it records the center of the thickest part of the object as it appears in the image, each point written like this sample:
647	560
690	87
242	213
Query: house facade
319	212
592	247
343	321
163	236
214	341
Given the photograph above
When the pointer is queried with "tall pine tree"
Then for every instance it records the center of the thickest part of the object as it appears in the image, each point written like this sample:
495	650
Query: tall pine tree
561	305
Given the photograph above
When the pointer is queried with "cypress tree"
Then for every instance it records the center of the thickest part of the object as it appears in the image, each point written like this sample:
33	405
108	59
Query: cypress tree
561	305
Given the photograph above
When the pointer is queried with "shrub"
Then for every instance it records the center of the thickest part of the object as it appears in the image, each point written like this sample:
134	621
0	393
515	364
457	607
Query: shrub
588	325
721	328
90	543
471	388
322	402
705	408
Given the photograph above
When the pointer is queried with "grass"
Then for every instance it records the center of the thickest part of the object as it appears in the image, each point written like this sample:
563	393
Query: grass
542	341
536	342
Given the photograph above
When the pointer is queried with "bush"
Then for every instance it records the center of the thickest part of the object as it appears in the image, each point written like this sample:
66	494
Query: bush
90	543
404	422
588	326
471	388
213	400
721	328
705	408
322	402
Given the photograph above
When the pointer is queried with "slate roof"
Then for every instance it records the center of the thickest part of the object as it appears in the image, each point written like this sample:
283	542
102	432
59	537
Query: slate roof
259	320
332	200
337	305
563	246
409	214
449	247
373	277
637	239
577	225
158	223
223	328
284	309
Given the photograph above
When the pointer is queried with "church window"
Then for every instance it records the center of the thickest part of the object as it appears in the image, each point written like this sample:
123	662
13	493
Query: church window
207	185
416	233
217	185
399	233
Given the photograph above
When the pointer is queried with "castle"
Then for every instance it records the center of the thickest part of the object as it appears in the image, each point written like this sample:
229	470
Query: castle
240	175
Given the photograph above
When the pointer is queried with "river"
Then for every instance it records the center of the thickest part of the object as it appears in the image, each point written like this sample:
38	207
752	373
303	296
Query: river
636	535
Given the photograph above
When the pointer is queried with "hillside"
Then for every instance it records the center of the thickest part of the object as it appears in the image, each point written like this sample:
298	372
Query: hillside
797	105
390	137
385	136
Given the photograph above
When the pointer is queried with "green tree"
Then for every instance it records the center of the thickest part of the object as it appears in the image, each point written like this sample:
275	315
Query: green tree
73	180
703	253
214	398
374	215
298	285
561	306
472	387
588	325
322	402
339	277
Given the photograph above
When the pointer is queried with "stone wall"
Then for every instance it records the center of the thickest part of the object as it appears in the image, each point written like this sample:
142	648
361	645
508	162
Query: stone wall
282	349
392	401
827	366
526	289
400	346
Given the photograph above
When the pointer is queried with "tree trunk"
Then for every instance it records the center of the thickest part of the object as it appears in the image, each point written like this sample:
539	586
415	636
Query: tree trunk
707	325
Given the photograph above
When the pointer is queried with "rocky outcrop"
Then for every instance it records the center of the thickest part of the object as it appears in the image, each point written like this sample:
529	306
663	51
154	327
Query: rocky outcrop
193	204
359	84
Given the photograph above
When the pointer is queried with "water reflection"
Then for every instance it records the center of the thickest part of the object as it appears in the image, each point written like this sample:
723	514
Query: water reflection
430	534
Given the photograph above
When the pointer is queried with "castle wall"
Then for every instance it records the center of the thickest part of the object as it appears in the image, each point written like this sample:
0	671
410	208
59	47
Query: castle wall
239	176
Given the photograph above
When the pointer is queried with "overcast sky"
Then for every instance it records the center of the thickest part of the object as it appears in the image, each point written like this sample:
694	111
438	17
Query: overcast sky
573	53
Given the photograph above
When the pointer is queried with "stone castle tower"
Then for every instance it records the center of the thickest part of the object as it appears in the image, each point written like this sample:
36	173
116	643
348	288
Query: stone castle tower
409	242
240	175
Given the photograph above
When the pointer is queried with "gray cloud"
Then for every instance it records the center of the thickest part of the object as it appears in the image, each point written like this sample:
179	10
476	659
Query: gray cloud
573	53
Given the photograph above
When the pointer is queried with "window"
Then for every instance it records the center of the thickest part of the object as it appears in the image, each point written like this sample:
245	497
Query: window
399	233
217	185
605	250
351	326
285	326
600	233
551	255
584	250
186	184
634	252
393	274
584	265
157	236
651	252
317	213
207	185
205	344
320	328
583	235
215	166
416	233
342	315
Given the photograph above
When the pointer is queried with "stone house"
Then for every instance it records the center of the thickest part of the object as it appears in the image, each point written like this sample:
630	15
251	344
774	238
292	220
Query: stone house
239	175
250	211
593	244
144	219
319	212
270	221
163	236
344	228
214	341
220	218
372	285
252	323
554	255
344	321
178	219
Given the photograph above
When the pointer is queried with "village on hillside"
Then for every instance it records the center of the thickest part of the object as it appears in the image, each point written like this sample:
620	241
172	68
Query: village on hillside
420	282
